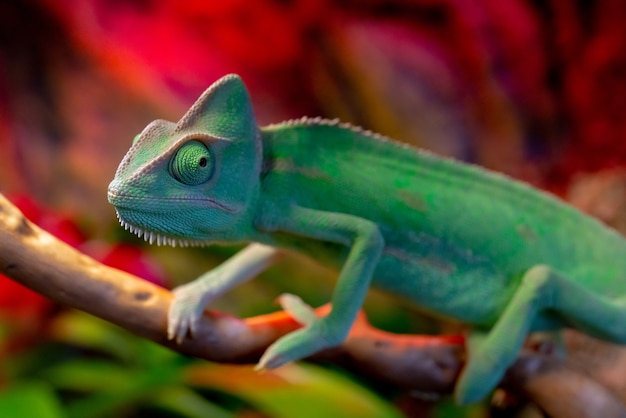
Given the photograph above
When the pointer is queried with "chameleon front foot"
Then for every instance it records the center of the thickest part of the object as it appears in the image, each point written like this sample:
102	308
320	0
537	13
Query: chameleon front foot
299	344
185	311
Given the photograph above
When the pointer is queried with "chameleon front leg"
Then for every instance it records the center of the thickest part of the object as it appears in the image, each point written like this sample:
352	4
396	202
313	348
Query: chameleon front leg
541	289
366	243
191	299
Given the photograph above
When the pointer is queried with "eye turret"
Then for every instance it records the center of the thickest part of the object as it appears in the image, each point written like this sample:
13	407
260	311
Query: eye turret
192	164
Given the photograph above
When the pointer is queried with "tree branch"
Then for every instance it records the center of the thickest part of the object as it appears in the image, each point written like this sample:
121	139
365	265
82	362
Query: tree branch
36	259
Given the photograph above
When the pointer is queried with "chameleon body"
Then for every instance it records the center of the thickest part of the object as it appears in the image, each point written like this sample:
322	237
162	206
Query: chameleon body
452	238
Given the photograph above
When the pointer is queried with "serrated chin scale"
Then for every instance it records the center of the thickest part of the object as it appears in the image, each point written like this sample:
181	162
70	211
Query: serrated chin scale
154	237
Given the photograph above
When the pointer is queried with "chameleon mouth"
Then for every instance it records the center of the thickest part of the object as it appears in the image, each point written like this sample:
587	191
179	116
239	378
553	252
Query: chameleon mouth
154	237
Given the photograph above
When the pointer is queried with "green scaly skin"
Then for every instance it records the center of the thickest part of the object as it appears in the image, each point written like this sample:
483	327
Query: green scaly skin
452	238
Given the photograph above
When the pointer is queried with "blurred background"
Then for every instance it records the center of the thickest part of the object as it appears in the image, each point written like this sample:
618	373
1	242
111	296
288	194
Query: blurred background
534	89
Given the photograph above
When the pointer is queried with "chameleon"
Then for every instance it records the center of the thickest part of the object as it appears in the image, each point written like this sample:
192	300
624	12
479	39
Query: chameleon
450	237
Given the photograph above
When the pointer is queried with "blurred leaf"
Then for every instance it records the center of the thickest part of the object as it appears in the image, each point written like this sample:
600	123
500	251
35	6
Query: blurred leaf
188	403
110	386
84	330
135	391
89	375
294	390
30	399
150	353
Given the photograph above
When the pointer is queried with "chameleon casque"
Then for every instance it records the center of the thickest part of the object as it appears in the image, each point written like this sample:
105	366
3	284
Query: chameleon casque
452	238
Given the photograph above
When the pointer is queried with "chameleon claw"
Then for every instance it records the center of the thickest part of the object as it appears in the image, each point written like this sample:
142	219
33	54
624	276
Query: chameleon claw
193	327
270	360
174	331
180	337
171	329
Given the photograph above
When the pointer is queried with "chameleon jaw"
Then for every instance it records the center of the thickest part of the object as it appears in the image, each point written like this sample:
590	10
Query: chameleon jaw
153	237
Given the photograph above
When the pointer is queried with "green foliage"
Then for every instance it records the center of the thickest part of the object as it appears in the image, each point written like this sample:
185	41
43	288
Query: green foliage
30	398
295	391
88	368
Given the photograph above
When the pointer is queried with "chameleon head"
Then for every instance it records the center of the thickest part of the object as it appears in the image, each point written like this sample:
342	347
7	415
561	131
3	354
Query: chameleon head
193	181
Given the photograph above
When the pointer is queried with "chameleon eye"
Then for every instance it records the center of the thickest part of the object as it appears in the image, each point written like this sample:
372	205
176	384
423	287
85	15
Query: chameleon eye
192	164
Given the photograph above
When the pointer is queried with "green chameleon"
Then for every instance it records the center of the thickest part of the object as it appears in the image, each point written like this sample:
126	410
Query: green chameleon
452	238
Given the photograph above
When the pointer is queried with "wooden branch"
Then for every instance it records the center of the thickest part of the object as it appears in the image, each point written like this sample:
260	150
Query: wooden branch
36	259
41	262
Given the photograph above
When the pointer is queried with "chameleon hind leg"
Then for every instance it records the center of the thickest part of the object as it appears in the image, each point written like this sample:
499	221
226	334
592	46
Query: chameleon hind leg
541	289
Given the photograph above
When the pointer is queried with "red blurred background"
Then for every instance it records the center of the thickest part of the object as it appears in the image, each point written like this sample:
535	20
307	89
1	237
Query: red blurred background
534	89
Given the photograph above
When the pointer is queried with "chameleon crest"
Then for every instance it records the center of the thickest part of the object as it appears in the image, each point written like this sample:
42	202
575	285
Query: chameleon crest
182	164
